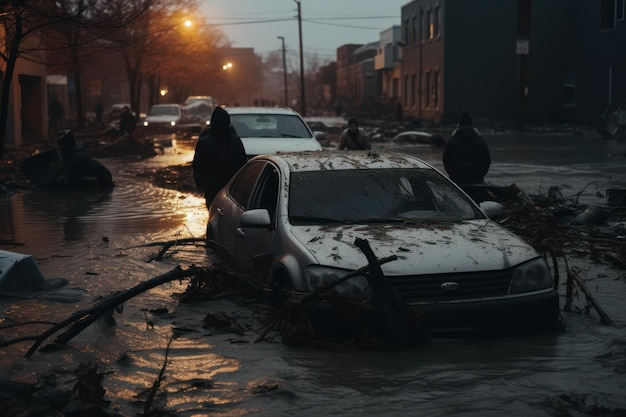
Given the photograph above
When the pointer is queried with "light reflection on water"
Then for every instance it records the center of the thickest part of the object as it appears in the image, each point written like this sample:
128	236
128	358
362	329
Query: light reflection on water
226	374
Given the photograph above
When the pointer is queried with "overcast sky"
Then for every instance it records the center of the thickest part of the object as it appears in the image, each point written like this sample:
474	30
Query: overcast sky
326	24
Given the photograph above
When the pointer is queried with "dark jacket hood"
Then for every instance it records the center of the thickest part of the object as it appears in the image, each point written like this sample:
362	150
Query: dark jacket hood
220	121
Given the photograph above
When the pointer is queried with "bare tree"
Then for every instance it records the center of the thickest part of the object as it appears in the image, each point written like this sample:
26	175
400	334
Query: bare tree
22	23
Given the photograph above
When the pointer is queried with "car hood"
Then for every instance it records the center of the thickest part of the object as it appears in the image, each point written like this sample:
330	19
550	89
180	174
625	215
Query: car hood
429	248
260	146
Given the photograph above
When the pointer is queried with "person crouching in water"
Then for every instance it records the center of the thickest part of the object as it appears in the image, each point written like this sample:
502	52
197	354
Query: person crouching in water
354	137
81	170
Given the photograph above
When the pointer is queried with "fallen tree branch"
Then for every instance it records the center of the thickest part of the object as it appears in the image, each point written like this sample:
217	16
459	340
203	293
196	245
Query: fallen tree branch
82	319
171	243
573	276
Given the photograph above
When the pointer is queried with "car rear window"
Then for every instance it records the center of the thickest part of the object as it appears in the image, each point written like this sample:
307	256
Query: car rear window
375	195
269	126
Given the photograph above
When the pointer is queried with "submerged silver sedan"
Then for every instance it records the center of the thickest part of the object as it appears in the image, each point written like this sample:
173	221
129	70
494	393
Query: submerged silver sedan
291	220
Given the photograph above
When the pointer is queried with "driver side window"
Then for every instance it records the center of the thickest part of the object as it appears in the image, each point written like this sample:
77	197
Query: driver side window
243	185
266	196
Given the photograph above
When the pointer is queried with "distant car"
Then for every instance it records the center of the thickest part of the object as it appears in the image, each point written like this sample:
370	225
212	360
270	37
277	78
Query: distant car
269	130
207	100
199	111
290	221
418	137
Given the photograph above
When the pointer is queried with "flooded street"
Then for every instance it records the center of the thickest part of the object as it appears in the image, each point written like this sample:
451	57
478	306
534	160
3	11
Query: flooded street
98	242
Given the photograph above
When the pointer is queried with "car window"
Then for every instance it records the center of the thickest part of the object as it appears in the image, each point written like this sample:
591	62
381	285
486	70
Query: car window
376	195
243	183
270	126
164	111
266	195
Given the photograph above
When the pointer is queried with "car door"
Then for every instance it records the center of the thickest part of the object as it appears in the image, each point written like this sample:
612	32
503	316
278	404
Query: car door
228	206
255	248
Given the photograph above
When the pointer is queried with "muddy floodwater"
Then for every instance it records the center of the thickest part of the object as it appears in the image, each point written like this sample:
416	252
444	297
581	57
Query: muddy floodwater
98	243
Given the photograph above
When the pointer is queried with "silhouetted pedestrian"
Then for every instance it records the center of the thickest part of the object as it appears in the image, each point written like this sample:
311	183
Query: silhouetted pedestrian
219	155
466	156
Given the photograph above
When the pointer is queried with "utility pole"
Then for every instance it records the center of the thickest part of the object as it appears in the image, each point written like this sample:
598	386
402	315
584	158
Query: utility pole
282	38
302	96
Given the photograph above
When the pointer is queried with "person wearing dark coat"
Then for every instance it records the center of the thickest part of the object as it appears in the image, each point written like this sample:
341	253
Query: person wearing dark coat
128	123
354	137
81	170
466	156
219	155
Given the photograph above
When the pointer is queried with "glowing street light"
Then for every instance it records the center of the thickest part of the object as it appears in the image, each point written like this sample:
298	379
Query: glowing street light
188	23
227	66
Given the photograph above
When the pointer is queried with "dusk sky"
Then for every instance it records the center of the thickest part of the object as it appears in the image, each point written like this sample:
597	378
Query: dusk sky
326	24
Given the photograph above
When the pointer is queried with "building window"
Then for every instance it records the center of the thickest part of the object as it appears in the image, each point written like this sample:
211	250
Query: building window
607	14
436	79
406	32
619	10
405	93
414	30
395	87
437	21
424	30
413	89
427	88
429	24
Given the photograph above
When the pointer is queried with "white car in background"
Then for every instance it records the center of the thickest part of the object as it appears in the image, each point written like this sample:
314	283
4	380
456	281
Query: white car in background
271	130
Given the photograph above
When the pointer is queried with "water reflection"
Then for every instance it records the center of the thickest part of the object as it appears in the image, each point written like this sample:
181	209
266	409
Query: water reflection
70	208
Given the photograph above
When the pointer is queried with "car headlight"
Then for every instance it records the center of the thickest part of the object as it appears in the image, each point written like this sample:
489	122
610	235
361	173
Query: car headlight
531	276
355	287
145	123
173	123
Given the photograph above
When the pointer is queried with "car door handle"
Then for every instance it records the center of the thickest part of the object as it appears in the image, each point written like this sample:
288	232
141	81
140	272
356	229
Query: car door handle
240	232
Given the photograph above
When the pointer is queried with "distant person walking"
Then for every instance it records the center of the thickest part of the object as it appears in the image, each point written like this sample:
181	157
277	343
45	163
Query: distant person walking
354	137
466	156
55	116
219	155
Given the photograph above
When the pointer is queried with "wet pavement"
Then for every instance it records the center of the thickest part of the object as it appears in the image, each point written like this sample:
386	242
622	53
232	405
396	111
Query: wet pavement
99	243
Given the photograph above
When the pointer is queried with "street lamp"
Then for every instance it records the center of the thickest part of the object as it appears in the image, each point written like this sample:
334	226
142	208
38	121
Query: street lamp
302	97
282	38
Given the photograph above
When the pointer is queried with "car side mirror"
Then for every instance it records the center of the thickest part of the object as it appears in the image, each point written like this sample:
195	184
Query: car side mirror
492	209
256	218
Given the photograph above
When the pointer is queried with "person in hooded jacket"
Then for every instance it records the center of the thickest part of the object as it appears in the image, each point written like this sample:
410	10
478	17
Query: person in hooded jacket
81	170
354	137
466	156
219	155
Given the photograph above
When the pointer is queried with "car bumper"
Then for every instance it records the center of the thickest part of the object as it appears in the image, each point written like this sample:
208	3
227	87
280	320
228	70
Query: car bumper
534	313
537	311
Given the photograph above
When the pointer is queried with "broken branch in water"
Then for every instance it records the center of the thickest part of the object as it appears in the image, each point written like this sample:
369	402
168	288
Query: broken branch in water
82	319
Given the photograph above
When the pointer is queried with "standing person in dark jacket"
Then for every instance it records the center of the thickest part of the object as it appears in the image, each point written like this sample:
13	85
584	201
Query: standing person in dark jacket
81	169
466	156
219	155
354	137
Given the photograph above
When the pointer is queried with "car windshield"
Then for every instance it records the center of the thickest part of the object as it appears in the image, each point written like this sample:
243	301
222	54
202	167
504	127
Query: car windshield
375	195
269	126
164	111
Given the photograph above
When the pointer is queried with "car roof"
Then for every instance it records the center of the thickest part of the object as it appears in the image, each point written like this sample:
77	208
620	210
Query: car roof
260	110
341	160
